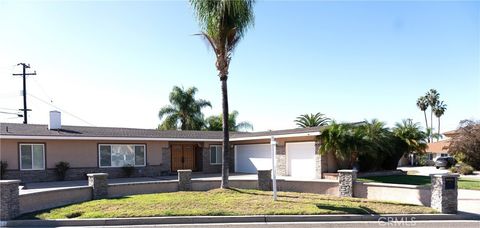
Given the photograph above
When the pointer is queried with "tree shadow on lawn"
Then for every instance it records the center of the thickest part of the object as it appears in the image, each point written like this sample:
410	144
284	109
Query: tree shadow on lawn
346	209
285	195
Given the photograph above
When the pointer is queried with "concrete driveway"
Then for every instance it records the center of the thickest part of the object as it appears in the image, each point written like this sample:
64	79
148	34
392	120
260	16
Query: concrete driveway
427	170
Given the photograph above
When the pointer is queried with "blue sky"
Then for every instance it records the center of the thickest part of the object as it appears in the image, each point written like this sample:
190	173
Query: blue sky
114	63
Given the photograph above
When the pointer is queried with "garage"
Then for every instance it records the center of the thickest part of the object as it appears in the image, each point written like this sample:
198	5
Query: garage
301	159
252	157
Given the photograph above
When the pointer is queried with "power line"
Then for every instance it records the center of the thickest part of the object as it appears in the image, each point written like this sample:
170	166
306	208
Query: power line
63	110
11	113
11	109
43	90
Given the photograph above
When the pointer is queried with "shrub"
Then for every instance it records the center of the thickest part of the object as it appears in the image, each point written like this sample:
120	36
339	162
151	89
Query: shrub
61	169
128	169
3	168
466	143
462	168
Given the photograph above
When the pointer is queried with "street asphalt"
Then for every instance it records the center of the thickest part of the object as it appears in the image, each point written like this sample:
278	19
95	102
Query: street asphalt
416	224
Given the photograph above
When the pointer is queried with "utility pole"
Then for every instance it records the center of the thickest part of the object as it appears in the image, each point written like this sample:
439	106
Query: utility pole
24	75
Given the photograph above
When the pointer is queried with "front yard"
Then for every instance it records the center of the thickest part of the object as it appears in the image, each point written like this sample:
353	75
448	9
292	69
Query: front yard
225	202
463	183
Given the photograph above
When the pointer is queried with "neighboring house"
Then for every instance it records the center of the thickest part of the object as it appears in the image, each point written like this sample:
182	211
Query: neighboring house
33	150
437	149
440	148
433	151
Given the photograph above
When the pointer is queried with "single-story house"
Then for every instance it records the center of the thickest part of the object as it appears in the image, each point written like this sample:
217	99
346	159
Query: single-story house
32	151
433	151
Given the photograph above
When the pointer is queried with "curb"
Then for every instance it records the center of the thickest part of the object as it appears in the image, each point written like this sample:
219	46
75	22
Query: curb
231	219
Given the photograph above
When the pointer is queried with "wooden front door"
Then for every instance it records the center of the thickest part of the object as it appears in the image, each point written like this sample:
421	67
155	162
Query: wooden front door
183	157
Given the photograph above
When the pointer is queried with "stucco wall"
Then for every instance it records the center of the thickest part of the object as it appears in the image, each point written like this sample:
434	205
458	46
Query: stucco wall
419	195
79	153
82	156
48	199
125	189
329	187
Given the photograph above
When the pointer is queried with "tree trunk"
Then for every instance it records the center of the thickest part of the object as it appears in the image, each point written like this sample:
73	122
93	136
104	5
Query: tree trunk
226	136
431	125
438	129
426	122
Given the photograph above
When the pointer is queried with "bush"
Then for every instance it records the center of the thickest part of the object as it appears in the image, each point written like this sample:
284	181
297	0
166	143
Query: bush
462	168
128	169
61	169
3	168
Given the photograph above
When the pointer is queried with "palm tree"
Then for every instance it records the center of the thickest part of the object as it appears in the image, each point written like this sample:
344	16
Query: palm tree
214	123
312	120
183	109
224	23
439	110
422	104
411	138
333	140
377	145
432	97
345	141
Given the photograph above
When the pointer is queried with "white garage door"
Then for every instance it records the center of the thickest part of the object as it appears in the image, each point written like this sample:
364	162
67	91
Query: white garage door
301	159
252	157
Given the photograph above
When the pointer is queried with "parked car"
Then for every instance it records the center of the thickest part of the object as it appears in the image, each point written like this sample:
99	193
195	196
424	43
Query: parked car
445	162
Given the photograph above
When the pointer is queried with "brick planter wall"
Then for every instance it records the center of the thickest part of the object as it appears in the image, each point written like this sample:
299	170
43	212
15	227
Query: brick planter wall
81	173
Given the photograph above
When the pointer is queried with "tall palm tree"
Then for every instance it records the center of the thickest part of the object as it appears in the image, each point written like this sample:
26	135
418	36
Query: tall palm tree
312	120
432	98
422	104
183	110
439	110
223	24
214	123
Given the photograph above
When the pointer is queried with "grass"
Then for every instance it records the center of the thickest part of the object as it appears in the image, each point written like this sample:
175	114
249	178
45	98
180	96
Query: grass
463	183
225	202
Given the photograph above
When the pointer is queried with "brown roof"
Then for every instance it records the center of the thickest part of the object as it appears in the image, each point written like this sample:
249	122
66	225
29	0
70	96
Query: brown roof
438	147
450	133
15	129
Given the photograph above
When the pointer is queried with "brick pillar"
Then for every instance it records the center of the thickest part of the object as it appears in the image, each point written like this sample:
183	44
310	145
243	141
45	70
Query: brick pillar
99	184
9	203
184	180
281	160
346	180
445	193
264	180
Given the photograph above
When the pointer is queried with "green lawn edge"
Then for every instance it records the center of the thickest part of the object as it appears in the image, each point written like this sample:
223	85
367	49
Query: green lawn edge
463	182
225	202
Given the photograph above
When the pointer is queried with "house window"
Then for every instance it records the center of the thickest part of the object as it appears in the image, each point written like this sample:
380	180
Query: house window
430	156
32	156
444	155
216	154
120	155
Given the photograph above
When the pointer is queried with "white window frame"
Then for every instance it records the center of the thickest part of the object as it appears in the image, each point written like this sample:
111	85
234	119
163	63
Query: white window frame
123	144
216	151
20	155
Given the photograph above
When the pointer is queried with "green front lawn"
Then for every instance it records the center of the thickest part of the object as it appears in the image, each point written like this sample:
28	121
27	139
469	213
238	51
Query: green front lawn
463	183
225	202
